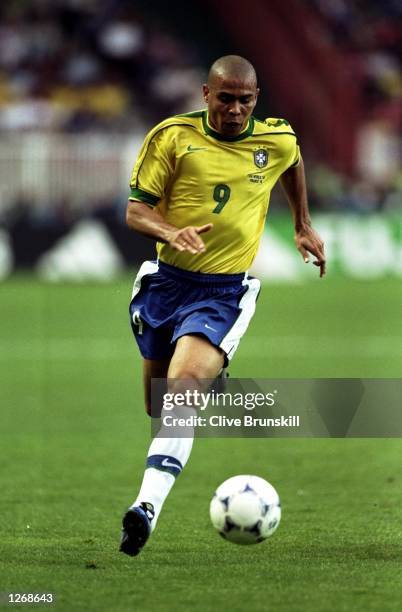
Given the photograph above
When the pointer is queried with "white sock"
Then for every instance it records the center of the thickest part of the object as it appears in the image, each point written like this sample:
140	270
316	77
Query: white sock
166	458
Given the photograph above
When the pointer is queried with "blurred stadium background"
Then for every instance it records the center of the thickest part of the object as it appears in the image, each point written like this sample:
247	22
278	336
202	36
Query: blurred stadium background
81	81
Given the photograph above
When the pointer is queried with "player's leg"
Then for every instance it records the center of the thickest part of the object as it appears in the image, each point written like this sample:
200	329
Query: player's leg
194	360
153	368
137	522
153	480
204	324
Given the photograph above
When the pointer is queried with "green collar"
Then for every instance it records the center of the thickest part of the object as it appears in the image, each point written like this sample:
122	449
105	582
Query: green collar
208	130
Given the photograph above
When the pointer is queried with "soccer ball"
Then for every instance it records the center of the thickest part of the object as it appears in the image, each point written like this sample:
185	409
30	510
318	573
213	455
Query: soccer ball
245	509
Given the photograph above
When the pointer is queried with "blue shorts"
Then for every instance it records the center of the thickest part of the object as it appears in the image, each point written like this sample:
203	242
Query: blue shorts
168	302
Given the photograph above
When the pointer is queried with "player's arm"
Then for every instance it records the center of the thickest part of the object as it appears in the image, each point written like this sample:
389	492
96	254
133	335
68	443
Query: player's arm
149	222
307	240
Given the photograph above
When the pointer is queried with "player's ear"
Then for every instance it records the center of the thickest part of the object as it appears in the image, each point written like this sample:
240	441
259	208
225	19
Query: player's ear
257	91
205	92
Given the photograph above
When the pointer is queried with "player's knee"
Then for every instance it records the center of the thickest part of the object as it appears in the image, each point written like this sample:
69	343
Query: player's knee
186	386
183	381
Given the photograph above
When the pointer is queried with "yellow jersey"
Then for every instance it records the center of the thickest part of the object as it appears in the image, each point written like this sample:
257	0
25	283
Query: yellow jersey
193	175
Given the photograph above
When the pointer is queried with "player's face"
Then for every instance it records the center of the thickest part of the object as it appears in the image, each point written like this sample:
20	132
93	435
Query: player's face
230	104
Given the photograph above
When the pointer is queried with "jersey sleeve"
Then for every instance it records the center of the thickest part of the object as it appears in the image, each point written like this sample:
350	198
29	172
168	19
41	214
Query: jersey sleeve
291	150
154	168
295	156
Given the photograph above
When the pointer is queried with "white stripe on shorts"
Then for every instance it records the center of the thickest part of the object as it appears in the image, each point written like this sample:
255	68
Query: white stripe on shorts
148	267
247	305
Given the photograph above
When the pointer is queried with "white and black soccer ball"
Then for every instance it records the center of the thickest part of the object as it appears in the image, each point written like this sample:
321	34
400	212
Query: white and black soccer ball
245	509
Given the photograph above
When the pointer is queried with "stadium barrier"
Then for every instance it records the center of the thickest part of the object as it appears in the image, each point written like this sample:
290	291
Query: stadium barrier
99	247
357	246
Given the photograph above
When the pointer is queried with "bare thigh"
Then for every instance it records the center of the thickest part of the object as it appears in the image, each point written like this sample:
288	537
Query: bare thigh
194	362
194	359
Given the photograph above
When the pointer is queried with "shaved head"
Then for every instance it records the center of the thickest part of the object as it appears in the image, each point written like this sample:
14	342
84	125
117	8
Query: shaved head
232	68
231	94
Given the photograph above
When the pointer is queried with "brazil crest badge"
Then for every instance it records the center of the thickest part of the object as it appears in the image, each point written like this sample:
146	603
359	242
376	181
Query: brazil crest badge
260	158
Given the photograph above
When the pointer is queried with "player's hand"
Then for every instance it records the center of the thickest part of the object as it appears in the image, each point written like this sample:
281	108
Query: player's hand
308	241
188	239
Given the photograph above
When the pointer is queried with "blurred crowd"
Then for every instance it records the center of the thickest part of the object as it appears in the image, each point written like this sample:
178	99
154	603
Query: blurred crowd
87	65
369	34
371	31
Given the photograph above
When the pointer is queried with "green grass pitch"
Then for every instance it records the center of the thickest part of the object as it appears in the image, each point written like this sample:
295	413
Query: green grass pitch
74	437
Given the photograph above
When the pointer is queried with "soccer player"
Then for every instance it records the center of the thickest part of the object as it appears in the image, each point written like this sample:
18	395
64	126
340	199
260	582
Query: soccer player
201	187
